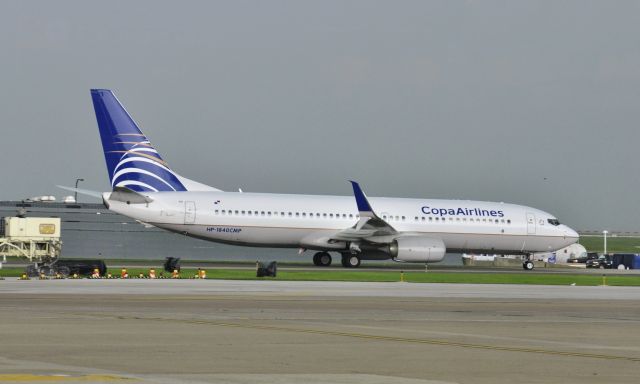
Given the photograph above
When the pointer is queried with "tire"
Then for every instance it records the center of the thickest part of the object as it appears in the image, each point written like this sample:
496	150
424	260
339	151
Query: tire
528	265
324	259
345	260
316	259
353	261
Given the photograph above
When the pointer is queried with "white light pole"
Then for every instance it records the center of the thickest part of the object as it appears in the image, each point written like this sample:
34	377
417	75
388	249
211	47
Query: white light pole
605	240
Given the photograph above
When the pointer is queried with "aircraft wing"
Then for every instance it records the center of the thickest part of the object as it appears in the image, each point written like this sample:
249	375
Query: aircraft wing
369	226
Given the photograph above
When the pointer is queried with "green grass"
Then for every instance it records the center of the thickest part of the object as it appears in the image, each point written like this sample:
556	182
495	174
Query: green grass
614	244
394	276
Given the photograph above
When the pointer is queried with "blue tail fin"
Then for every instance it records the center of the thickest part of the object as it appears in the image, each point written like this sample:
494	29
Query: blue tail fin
132	161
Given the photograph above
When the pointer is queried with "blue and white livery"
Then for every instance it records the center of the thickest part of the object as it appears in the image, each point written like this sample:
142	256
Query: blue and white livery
132	161
354	227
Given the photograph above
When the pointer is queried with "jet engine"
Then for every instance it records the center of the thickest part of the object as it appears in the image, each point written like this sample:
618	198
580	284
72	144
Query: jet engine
417	249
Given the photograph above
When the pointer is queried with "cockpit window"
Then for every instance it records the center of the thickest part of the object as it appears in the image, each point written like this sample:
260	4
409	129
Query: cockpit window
553	222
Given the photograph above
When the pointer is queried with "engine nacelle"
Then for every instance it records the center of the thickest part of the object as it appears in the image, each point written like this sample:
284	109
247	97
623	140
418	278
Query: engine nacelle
417	249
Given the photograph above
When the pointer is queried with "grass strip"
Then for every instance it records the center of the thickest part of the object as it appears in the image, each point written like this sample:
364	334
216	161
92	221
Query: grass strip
393	276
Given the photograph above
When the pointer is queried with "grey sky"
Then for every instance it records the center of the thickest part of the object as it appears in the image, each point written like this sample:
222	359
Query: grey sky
441	99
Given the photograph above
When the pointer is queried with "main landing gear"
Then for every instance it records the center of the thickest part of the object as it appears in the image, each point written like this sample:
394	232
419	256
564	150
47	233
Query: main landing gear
322	259
350	260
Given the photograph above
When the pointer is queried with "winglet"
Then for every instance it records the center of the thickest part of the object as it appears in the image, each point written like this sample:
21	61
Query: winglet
361	198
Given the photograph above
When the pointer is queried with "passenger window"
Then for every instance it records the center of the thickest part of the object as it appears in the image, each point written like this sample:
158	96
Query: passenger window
262	213
216	211
297	214
351	215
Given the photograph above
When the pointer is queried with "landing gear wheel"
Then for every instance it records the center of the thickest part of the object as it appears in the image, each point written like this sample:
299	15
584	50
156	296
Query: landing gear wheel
345	257
527	265
350	261
322	259
316	259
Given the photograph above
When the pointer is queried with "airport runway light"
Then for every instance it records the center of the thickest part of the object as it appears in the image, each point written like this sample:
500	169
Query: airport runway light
605	240
76	192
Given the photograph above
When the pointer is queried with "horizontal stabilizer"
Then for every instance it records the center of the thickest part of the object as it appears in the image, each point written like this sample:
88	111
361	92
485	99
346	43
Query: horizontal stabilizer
86	192
128	196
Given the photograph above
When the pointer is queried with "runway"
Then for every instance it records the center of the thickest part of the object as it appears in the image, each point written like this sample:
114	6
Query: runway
316	332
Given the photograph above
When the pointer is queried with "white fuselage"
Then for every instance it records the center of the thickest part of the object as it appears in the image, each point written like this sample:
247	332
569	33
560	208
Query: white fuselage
306	221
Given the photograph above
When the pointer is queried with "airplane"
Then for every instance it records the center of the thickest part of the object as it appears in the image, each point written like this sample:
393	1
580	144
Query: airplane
356	227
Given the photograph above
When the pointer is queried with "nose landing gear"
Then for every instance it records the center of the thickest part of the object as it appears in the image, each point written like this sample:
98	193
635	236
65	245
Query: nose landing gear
527	265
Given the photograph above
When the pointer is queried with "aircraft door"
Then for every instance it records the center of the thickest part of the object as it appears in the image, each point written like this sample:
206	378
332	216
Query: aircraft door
189	212
531	224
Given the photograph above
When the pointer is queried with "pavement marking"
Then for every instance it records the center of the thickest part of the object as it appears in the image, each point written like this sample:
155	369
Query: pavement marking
27	377
379	337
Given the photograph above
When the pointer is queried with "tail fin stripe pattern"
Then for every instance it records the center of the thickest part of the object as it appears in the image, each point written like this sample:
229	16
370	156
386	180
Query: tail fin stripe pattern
142	177
137	186
144	167
142	163
154	158
125	171
124	143
132	161
133	142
